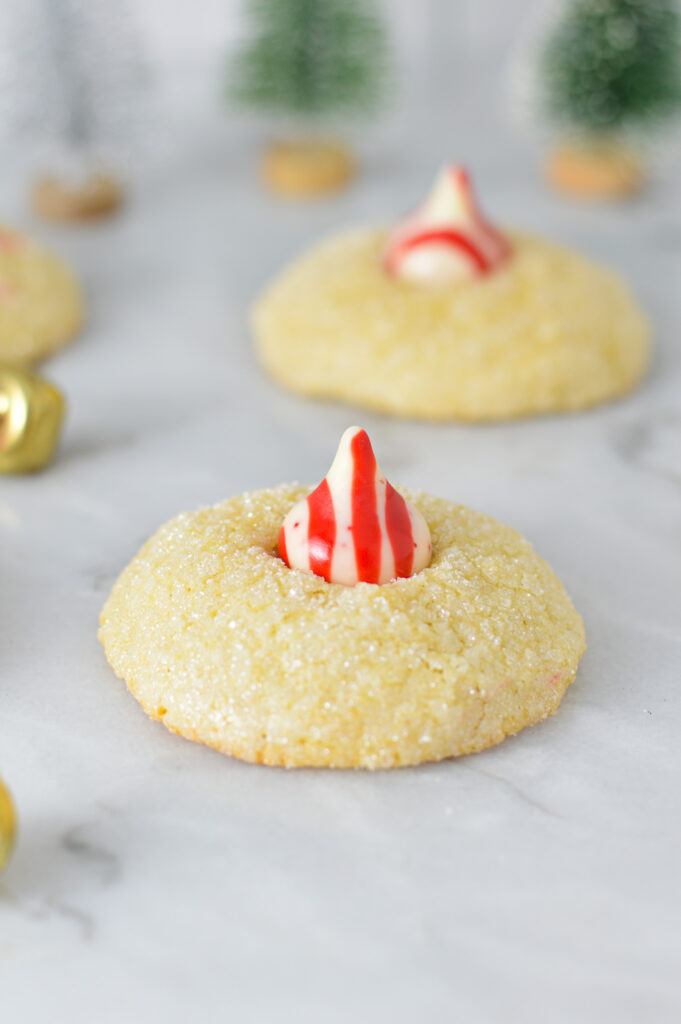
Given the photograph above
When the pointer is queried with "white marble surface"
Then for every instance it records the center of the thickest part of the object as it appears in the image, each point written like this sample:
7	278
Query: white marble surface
155	880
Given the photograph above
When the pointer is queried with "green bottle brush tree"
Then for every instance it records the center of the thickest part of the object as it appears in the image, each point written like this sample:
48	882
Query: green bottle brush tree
609	70
306	62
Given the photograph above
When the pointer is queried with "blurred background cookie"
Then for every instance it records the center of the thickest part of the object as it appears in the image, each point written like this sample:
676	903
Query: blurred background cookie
445	317
41	304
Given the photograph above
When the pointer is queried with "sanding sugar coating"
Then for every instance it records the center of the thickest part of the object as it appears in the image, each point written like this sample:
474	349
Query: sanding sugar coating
41	306
547	331
226	645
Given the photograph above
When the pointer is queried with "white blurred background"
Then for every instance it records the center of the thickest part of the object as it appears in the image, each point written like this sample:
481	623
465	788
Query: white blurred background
434	41
184	50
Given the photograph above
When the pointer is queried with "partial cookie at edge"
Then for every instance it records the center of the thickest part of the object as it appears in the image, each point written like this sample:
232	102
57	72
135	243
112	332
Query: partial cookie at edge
41	304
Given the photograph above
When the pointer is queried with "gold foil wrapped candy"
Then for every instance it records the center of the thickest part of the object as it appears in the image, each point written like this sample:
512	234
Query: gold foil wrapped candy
7	825
31	414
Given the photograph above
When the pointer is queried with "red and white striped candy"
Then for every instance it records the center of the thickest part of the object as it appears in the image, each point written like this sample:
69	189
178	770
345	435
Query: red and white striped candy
355	527
447	238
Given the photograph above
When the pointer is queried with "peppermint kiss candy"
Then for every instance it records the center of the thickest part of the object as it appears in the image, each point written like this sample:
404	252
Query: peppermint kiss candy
447	239
355	527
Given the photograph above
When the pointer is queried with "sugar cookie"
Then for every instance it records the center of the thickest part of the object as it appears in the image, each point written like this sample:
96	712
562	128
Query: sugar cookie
307	169
225	644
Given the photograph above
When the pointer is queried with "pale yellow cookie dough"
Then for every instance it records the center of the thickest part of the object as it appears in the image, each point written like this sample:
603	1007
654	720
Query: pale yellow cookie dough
549	331
41	306
223	643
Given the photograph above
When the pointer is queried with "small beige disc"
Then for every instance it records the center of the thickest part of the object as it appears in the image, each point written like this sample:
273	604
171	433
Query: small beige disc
309	168
97	196
603	172
217	638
